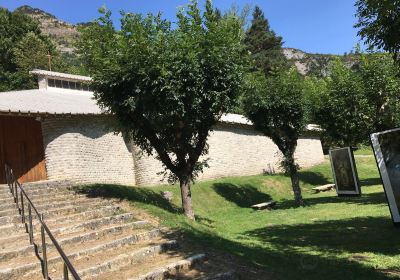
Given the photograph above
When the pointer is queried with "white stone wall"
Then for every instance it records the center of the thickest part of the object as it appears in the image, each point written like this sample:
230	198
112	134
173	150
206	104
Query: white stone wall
237	151
82	149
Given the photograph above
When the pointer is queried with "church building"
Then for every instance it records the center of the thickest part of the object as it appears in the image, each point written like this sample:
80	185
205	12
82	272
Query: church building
59	132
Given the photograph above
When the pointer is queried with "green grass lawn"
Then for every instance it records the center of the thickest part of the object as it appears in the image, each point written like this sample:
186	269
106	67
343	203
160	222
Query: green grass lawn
364	150
331	238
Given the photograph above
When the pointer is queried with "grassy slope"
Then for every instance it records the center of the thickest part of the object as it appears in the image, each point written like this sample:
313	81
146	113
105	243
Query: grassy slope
331	238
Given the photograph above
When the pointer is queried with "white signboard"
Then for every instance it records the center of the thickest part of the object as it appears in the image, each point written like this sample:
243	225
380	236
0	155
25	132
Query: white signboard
386	145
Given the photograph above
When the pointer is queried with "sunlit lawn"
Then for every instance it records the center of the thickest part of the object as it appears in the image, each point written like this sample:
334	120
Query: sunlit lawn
331	238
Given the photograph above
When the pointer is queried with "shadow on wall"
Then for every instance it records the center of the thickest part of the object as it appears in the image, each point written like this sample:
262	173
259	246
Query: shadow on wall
242	195
121	192
92	127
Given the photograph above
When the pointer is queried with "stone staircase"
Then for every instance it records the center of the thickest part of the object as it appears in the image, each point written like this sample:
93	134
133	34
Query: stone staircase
102	238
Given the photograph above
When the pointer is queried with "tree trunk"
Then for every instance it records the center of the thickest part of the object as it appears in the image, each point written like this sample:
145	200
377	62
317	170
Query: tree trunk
186	194
296	187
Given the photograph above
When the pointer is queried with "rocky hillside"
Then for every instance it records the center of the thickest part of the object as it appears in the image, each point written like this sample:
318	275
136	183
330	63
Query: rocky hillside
316	64
64	34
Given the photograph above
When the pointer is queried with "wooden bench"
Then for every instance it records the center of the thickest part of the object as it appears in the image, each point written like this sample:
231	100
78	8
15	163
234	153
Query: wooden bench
324	188
265	205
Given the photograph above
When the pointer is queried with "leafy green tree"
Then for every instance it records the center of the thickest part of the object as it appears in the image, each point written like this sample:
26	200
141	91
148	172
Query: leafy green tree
264	45
167	87
379	23
313	88
339	112
381	87
357	102
275	105
22	48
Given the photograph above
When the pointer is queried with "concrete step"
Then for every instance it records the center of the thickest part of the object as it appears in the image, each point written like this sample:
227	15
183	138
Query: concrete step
58	220
59	208
39	188
42	192
89	224
116	227
68	226
6	191
125	259
172	269
78	253
14	216
49	204
40	198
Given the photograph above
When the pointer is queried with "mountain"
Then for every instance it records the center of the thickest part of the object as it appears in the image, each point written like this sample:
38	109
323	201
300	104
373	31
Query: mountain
317	64
65	34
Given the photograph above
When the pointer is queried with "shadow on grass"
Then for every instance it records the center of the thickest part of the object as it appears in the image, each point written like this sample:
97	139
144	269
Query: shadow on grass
365	199
242	195
146	196
357	235
313	178
279	249
370	182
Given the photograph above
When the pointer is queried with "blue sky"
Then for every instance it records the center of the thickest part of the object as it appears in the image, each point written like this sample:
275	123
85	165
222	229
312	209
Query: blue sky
318	26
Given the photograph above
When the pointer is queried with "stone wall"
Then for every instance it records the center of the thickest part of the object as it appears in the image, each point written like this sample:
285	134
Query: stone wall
237	150
82	149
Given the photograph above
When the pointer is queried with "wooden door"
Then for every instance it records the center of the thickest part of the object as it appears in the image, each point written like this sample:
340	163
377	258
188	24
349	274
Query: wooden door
21	147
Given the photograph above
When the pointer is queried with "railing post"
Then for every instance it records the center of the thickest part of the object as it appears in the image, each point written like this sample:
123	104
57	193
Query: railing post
22	208
45	271
16	194
10	184
30	224
65	271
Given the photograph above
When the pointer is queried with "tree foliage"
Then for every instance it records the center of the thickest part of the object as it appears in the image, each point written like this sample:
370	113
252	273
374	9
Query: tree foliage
264	45
167	86
379	23
22	48
276	107
357	102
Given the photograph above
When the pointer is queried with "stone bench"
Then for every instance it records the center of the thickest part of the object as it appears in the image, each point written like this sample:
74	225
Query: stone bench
324	188
265	205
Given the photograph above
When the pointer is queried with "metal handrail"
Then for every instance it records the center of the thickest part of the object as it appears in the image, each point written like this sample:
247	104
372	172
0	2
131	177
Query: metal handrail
14	185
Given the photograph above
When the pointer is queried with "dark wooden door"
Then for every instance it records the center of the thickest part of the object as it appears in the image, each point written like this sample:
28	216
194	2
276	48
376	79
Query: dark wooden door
21	147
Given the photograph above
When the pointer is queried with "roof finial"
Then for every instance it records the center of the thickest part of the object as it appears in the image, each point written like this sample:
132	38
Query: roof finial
49	56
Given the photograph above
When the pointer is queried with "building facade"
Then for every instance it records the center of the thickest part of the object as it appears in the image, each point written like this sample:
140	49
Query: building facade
59	132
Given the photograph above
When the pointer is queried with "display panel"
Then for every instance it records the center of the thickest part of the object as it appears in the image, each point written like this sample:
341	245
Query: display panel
386	147
344	171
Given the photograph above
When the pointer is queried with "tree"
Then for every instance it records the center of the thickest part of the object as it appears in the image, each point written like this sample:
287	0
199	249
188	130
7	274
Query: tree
22	48
167	87
275	105
379	23
264	45
339	112
381	87
357	102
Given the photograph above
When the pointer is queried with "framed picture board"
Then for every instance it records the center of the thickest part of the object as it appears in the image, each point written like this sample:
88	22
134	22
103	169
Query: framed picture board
344	172
386	146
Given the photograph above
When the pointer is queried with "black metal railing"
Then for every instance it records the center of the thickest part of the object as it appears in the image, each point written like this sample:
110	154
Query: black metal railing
20	197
